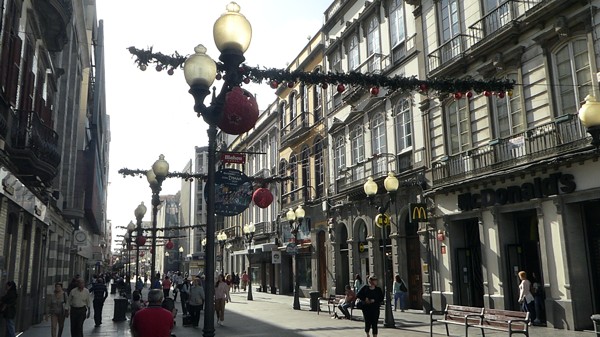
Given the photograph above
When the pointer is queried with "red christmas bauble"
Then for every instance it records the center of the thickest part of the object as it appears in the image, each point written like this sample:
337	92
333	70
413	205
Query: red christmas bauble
458	95
218	77
262	197
324	85
151	251
170	71
247	80
142	254
469	94
487	93
140	240
341	88
375	91
169	245
274	84
291	84
423	87
242	69
240	112
501	94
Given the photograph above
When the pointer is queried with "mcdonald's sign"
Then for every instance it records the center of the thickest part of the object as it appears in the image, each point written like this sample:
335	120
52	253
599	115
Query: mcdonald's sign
417	212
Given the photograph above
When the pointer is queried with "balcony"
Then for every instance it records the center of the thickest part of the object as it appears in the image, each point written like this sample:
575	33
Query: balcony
403	49
563	135
34	148
452	50
54	16
377	167
264	229
294	128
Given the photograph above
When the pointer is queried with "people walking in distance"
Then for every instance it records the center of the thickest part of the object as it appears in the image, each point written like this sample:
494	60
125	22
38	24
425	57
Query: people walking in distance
177	283
526	299
236	282
537	288
79	302
166	286
346	302
57	310
195	301
229	282
136	304
245	279
221	293
371	297
8	307
358	283
100	293
73	284
153	321
400	291
185	295
156	283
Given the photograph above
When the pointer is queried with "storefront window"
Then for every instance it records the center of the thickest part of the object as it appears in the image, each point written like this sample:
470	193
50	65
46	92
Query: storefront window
304	270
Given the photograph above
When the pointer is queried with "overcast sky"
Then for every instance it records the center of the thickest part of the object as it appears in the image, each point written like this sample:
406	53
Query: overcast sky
152	113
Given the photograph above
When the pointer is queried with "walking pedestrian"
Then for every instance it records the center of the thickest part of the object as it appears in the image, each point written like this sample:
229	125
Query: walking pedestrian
153	321
166	286
526	299
185	295
358	283
245	279
236	282
57	310
79	301
221	293
400	291
229	281
100	294
371	297
196	300
8	306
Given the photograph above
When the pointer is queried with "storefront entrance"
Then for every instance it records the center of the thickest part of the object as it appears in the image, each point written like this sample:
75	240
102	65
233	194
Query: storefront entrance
413	263
592	219
468	273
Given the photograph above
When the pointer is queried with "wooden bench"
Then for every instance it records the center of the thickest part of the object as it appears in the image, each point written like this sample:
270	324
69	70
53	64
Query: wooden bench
457	315
332	302
504	320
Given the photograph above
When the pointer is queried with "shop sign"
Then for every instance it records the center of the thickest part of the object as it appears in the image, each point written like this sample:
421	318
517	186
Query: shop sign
540	188
275	257
291	248
417	212
362	247
233	158
233	192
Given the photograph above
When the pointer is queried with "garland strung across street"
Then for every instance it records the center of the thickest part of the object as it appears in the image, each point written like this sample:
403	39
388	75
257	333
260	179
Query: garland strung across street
275	77
199	176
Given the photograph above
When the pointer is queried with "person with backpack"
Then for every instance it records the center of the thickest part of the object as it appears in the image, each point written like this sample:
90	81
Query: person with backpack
400	291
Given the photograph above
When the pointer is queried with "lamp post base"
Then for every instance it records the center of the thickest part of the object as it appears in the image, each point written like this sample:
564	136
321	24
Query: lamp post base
297	297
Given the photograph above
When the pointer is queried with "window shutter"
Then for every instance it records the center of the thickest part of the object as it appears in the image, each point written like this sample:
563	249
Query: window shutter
14	65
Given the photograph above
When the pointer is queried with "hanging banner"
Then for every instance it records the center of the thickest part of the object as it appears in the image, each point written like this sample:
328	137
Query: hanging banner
233	192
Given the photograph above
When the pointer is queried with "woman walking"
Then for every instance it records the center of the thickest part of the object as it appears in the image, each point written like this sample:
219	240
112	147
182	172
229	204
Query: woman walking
195	301
371	297
358	283
221	294
525	297
8	304
400	291
57	310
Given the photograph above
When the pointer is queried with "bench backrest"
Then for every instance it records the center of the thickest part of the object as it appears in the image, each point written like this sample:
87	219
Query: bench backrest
458	313
499	318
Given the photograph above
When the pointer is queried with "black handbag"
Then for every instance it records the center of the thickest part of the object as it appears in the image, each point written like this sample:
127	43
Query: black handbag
359	304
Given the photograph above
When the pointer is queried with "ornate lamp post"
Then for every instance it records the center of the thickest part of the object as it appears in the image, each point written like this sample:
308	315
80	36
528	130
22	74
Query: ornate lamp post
140	240
391	186
249	230
295	218
232	34
589	114
128	238
222	238
181	258
156	176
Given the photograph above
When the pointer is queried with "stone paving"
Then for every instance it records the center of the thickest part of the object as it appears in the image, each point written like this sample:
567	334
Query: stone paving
272	315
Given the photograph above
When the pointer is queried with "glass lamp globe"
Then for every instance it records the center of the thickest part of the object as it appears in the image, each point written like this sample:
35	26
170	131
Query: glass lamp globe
232	31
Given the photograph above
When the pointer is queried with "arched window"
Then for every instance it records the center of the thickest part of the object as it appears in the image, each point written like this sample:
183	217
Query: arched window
353	53
294	176
573	75
403	125
339	154
305	158
319	169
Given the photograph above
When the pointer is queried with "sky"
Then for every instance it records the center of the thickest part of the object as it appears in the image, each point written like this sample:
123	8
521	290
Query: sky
151	113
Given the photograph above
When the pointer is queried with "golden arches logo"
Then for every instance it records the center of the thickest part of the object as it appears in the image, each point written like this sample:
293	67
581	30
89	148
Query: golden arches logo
418	212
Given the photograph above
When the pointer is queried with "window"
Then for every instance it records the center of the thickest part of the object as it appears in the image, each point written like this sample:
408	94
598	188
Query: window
335	62
305	101
508	113
293	108
339	154
378	136
319	171
397	22
450	20
282	121
283	173
317	102
358	143
305	157
459	125
293	175
573	75
403	125
353	53
373	45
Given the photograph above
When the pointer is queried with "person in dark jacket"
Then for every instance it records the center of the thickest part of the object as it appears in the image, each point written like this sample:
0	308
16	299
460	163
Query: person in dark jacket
100	294
371	297
8	304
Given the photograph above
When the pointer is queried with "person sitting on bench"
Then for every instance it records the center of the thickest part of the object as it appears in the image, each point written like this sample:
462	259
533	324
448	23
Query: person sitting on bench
346	303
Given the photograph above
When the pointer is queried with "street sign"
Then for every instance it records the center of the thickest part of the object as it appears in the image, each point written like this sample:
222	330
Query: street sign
275	257
291	248
233	158
233	192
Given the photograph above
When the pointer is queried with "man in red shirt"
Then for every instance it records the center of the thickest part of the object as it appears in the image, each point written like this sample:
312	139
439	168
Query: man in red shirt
153	321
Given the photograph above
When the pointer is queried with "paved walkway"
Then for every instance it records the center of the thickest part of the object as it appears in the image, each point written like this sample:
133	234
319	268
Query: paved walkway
272	315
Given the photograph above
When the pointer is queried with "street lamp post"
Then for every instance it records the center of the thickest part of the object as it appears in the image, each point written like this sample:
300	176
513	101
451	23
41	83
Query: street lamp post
295	218
232	34
156	175
391	186
222	238
140	240
181	259
129	238
249	230
589	114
